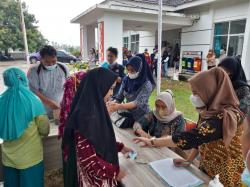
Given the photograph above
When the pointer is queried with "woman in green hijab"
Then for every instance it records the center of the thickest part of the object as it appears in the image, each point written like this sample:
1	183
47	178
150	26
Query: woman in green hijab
23	123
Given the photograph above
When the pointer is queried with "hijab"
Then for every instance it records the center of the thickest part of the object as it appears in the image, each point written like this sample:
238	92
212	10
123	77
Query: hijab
219	97
140	65
19	106
233	65
89	115
167	98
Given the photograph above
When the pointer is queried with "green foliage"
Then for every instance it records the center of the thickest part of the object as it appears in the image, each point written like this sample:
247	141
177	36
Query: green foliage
10	27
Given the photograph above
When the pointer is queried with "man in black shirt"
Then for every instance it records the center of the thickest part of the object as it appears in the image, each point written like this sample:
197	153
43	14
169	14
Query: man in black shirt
112	54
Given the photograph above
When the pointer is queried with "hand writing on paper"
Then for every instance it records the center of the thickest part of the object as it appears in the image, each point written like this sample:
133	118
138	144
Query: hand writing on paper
181	162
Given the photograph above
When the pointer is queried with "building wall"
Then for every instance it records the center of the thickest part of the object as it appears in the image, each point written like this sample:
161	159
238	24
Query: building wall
90	37
199	37
146	39
113	31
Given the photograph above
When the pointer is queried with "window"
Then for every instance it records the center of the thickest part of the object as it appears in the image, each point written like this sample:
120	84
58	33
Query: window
230	37
135	43
60	54
125	42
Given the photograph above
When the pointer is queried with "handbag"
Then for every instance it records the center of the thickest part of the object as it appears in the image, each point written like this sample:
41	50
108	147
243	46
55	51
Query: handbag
122	119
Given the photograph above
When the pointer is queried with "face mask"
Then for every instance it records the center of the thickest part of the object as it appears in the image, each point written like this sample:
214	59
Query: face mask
162	112
196	101
50	68
133	75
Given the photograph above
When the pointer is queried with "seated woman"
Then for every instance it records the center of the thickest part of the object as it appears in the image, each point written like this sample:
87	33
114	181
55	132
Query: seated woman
163	120
217	136
136	88
89	145
23	123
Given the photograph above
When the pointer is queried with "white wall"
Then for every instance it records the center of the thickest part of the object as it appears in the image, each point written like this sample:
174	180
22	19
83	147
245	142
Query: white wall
113	32
90	37
199	36
230	10
147	40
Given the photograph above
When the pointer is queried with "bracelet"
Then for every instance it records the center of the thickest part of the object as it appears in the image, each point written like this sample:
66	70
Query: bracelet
152	141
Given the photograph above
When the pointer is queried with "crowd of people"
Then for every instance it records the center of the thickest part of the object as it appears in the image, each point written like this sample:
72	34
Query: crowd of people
88	101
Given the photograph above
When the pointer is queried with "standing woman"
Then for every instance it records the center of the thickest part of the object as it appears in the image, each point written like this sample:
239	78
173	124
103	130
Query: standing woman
211	61
89	143
23	123
136	88
233	67
217	136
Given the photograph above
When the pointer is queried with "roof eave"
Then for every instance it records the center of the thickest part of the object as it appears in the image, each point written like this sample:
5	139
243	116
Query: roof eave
193	4
77	18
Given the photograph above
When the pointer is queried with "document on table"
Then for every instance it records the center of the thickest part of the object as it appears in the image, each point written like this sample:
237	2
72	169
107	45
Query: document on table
175	176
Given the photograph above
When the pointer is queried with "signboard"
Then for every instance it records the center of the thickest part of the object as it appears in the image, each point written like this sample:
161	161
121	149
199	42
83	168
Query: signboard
101	41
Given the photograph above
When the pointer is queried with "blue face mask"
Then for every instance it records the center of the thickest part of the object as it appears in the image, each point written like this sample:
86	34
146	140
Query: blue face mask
51	68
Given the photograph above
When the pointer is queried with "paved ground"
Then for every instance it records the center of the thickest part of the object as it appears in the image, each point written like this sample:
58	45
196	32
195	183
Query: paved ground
5	65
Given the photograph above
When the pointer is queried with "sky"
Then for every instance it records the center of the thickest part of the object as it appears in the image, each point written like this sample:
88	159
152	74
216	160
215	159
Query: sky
54	18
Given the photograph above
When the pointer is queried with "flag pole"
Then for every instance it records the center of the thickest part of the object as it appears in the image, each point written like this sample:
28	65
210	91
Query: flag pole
158	85
24	34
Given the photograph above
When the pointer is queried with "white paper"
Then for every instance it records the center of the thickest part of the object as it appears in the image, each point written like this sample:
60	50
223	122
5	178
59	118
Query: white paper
175	176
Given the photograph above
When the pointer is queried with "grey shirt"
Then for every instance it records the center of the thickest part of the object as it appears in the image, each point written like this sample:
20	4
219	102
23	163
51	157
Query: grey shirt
140	98
49	83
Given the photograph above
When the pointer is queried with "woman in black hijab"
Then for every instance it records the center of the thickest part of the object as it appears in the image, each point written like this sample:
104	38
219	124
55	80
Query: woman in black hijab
89	143
233	67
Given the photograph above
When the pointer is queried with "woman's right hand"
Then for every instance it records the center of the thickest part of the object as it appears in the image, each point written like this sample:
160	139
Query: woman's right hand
146	142
121	174
178	162
53	105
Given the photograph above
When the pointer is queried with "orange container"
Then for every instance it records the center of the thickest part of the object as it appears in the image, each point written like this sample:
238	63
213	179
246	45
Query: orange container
197	64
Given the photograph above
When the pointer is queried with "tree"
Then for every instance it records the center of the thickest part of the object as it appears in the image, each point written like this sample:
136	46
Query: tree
10	27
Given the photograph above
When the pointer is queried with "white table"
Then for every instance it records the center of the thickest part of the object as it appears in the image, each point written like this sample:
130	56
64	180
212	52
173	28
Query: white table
141	175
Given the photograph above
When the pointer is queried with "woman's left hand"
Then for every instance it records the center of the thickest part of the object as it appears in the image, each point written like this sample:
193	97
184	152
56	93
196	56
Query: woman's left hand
146	141
126	150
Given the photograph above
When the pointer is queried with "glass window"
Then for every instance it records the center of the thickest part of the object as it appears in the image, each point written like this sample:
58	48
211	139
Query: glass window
238	27
235	45
220	42
135	43
125	42
60	54
230	37
221	28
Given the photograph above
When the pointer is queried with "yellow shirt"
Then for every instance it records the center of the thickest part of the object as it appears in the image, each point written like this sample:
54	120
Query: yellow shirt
27	150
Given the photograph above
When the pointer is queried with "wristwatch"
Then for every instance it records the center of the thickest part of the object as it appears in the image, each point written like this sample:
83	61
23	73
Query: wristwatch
152	141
